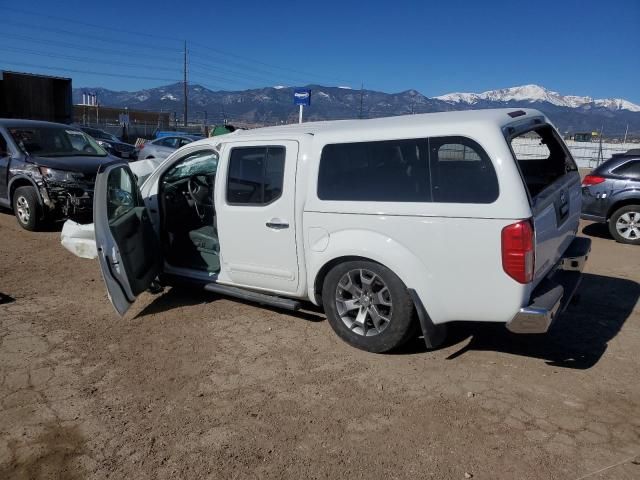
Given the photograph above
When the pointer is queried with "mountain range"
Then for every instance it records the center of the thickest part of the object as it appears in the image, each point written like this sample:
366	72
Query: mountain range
272	105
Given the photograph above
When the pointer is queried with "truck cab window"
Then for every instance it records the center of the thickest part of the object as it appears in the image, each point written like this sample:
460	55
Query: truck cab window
256	175
461	171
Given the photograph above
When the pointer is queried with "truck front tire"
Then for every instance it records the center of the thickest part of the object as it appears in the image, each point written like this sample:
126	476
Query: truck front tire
368	306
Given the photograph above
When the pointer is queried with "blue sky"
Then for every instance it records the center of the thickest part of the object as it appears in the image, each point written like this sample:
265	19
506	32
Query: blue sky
574	47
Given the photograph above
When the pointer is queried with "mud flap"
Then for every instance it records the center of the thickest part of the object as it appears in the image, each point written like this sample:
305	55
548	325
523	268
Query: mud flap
434	335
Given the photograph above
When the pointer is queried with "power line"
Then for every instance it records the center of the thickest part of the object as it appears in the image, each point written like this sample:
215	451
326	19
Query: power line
86	48
85	59
254	61
145	55
243	77
197	75
207	48
84	36
253	70
92	25
107	74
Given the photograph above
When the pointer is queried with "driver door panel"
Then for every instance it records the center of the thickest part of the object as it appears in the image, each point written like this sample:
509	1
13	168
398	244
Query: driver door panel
134	234
127	244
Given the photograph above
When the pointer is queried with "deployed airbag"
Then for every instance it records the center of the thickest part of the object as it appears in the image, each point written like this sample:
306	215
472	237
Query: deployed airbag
79	239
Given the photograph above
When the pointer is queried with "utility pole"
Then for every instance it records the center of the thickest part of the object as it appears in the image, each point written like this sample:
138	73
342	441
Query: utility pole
186	111
361	98
625	135
600	153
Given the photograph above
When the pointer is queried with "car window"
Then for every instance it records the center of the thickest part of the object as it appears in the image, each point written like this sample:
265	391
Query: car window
166	142
184	141
256	175
122	194
380	171
630	169
461	171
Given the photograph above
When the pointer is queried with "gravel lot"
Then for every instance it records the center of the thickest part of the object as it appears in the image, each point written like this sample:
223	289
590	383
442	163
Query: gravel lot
190	385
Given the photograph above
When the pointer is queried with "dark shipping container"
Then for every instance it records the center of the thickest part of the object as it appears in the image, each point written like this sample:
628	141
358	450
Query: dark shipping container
35	97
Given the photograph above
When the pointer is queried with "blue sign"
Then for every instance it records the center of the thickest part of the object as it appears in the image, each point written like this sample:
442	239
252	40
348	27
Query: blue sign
302	96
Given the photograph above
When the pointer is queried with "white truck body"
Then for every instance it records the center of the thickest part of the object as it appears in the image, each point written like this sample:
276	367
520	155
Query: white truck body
448	254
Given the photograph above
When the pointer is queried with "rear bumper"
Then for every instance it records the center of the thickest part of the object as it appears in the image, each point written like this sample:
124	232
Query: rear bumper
551	297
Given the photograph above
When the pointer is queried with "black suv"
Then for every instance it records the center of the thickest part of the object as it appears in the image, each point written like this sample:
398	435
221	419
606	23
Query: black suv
111	143
611	193
47	171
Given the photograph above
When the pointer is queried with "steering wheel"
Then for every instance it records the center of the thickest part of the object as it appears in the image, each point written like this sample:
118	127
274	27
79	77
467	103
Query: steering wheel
201	190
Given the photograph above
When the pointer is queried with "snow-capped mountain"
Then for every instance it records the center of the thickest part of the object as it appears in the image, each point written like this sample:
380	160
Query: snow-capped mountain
535	94
275	104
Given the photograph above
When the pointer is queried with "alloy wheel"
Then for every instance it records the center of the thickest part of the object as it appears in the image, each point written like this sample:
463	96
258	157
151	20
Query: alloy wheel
23	210
628	225
363	301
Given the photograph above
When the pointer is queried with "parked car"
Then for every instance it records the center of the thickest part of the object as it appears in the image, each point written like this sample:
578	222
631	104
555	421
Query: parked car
111	143
392	225
611	194
161	148
47	170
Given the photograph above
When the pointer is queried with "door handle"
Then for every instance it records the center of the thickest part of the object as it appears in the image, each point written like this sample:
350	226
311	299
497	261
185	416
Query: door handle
277	224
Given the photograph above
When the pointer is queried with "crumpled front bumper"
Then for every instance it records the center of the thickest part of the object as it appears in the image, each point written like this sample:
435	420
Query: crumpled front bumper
68	199
551	297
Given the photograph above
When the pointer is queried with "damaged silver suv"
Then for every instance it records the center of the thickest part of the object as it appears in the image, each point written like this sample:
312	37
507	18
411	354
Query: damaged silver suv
47	171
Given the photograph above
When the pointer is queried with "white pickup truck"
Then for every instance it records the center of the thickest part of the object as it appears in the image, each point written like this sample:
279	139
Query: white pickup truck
392	225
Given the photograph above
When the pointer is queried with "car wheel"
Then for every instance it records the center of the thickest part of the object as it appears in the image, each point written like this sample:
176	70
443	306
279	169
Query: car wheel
26	208
624	224
368	306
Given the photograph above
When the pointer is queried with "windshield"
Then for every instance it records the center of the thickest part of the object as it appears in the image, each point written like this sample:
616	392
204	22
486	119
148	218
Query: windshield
55	141
199	163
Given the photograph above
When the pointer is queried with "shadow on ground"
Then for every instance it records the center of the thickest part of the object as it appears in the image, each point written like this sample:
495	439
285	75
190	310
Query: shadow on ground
597	230
4	298
184	296
578	339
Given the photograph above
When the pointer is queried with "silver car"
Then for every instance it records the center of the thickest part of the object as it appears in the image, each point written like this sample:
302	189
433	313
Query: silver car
162	147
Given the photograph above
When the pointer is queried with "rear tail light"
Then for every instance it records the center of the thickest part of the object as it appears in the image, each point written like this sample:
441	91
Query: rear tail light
517	251
592	180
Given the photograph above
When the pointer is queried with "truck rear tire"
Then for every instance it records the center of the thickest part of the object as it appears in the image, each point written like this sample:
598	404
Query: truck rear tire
368	306
27	209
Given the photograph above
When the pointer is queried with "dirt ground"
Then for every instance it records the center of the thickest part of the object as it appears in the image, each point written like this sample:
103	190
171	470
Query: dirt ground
190	385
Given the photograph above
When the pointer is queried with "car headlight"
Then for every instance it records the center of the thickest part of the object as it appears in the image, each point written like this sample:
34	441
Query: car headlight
58	175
